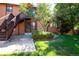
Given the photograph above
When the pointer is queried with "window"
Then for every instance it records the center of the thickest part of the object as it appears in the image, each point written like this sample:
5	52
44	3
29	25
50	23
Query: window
9	8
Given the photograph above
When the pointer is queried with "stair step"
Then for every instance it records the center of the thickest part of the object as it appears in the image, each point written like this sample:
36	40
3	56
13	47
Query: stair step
2	33
2	36
3	39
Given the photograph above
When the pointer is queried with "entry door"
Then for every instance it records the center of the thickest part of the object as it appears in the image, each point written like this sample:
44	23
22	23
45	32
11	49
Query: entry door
28	26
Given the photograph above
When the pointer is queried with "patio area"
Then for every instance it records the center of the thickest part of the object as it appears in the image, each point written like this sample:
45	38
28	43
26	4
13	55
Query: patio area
20	43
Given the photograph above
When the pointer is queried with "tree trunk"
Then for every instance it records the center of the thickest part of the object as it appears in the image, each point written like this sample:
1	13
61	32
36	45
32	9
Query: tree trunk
35	25
45	28
73	31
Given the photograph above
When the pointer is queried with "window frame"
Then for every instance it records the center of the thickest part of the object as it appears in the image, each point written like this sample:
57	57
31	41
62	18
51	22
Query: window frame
8	8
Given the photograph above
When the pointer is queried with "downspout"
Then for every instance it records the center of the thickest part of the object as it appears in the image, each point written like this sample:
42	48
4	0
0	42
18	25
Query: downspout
24	25
6	9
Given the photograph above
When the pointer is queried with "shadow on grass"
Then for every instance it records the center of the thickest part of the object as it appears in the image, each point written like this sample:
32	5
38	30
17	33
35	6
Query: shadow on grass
66	45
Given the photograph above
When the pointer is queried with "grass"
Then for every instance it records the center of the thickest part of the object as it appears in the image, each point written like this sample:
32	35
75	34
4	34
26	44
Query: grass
63	45
66	45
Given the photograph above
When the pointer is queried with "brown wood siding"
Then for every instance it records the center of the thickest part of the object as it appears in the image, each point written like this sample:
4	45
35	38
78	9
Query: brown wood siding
19	29
15	10
3	9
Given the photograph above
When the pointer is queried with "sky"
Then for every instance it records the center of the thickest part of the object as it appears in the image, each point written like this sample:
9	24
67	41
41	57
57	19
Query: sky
28	1
40	1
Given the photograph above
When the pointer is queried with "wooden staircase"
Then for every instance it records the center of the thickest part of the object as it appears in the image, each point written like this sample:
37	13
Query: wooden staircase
6	27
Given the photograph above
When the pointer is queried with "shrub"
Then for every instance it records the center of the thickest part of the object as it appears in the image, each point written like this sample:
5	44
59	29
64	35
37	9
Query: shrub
42	35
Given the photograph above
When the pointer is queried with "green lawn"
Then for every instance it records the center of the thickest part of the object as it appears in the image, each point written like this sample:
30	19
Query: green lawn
64	45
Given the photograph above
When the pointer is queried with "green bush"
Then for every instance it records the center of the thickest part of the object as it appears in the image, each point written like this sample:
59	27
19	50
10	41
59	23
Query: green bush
42	35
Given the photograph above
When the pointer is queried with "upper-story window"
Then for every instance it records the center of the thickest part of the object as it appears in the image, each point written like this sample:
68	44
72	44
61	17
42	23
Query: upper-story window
9	8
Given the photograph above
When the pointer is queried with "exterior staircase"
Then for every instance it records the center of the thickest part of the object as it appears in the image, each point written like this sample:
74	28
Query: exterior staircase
8	23
6	27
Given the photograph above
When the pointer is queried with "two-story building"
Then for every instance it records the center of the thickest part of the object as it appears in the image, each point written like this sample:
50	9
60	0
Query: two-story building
6	8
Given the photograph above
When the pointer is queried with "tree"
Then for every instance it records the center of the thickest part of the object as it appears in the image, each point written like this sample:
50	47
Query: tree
43	14
23	7
66	15
27	9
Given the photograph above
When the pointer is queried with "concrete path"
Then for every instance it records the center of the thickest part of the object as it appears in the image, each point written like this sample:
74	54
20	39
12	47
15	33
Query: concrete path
21	43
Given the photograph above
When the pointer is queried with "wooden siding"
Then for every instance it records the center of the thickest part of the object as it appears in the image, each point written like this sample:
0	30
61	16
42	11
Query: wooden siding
3	9
15	10
19	29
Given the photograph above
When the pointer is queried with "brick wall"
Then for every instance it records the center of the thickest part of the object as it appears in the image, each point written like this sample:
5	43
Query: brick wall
53	29
39	26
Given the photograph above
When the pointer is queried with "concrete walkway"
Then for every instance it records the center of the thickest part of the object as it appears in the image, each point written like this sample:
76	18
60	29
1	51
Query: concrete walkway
21	43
